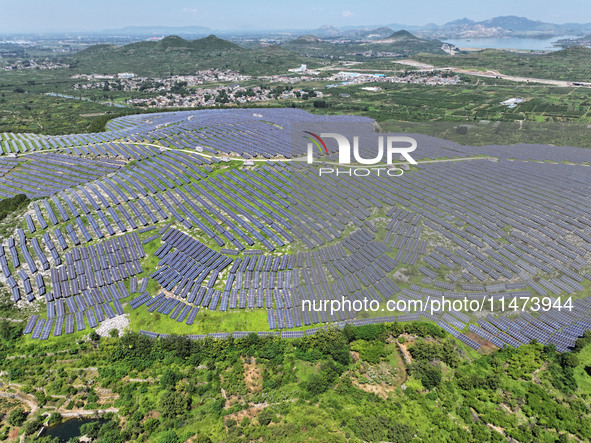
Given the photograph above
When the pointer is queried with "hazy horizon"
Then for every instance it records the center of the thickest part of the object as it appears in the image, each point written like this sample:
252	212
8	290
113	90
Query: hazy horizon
36	16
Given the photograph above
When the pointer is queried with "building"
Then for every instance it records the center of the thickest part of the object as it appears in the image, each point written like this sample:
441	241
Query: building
512	102
302	68
372	88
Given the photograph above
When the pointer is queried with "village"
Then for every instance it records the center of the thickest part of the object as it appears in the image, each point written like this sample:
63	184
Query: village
209	88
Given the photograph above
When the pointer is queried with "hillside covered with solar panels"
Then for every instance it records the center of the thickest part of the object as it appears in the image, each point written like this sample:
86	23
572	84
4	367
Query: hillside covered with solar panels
206	223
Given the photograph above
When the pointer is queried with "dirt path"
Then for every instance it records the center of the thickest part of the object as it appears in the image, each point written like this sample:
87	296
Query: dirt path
29	401
86	413
32	404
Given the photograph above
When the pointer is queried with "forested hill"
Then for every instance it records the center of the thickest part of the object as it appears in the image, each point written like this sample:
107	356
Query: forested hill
382	382
175	55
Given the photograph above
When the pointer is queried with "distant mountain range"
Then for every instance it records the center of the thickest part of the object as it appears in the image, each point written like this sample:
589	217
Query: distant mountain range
507	26
497	27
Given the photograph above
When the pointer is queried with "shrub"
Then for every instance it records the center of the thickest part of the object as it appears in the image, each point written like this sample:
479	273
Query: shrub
17	417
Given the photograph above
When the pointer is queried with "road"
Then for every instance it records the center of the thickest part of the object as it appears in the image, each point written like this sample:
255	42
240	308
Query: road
488	74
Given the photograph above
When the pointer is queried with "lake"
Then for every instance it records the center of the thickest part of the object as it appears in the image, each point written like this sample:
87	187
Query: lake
70	428
536	44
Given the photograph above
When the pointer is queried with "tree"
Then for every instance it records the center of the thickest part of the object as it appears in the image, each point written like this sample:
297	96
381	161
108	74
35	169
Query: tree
9	332
55	417
316	384
266	416
17	417
169	379
169	437
173	404
568	360
94	336
91	429
30	426
431	377
150	425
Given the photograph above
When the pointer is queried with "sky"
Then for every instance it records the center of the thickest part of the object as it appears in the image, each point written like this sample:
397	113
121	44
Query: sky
91	15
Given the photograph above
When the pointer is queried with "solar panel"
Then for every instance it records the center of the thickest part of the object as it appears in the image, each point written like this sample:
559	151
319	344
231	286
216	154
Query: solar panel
79	316
30	324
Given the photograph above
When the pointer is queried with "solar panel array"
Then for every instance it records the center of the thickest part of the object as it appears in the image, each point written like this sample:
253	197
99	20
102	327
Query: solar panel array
474	229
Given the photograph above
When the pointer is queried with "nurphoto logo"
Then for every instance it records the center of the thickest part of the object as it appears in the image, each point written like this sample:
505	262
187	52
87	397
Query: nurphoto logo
389	145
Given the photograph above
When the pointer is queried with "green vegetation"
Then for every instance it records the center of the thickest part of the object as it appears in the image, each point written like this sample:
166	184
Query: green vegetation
16	417
38	113
472	101
27	107
502	133
174	55
337	385
571	64
12	204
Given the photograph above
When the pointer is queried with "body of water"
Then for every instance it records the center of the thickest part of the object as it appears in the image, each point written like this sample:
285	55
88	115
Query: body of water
535	44
70	428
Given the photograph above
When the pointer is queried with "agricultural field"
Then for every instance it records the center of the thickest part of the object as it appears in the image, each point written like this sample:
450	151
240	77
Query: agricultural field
569	64
79	106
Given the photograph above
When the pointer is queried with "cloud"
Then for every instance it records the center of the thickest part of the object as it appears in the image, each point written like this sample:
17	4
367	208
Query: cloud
347	13
193	11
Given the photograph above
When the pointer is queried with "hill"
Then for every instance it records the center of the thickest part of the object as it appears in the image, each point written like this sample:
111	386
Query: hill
304	39
176	55
369	33
399	36
328	31
401	42
504	26
406	43
394	382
